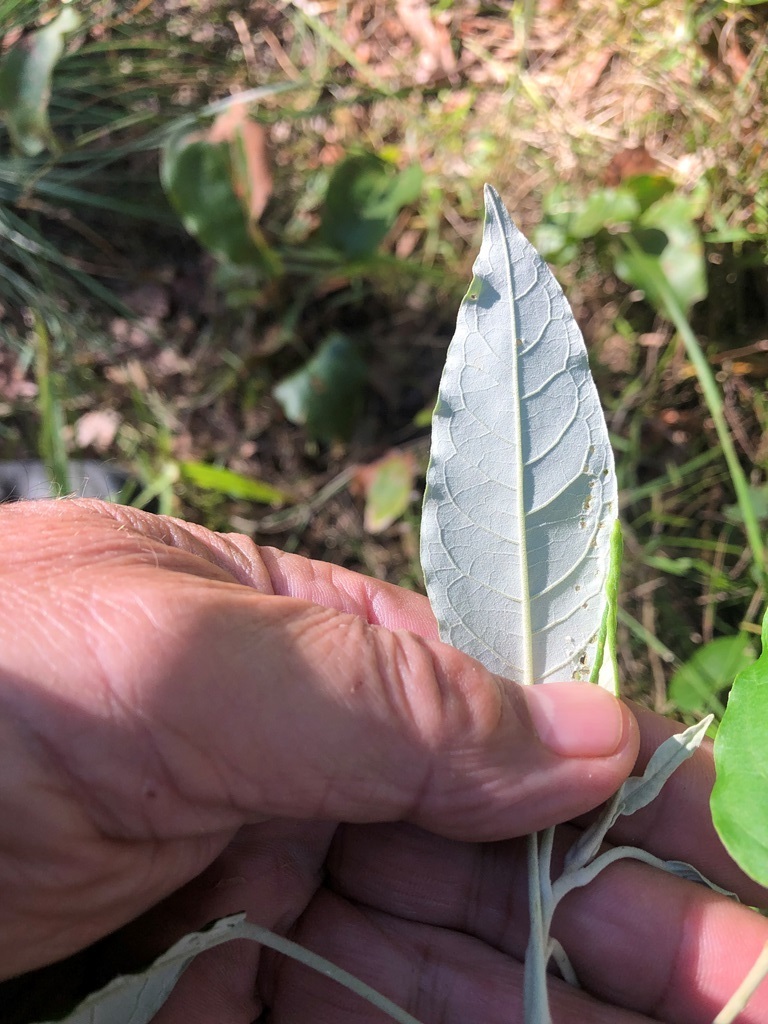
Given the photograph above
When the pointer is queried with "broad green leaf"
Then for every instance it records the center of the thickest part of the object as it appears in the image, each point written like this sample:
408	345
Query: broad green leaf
521	488
365	195
710	669
554	244
199	179
326	394
235	485
758	498
740	796
604	208
648	188
25	83
667	236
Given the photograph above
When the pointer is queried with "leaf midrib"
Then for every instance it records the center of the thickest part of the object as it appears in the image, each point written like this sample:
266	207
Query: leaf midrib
528	677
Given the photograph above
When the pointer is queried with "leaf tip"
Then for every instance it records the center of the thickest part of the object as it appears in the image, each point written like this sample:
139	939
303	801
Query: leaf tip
492	198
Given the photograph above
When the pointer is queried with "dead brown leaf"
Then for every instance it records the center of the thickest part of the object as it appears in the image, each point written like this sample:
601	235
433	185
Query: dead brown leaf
733	55
589	72
252	174
628	163
433	38
97	429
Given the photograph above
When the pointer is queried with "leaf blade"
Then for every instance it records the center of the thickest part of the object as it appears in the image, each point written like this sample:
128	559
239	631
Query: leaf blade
521	488
738	802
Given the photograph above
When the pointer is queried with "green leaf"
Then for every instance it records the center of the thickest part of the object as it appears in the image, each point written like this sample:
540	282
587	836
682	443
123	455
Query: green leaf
225	481
668	236
25	83
758	497
553	243
740	795
388	485
365	195
198	176
648	188
326	394
521	488
710	669
605	208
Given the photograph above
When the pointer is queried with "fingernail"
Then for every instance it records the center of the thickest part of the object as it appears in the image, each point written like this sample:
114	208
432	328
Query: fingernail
577	719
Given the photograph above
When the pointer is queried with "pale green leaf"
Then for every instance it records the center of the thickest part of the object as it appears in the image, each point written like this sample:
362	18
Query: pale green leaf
576	879
25	82
388	485
136	998
521	489
710	669
326	394
638	791
225	481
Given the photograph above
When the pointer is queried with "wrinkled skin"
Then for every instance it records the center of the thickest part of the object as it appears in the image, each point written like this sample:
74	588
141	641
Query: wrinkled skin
185	720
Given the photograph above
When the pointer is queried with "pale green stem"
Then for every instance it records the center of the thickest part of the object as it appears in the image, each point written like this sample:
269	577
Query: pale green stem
319	963
535	994
738	1001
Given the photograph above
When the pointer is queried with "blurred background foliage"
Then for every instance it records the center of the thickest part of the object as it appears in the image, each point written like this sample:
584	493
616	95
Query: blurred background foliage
234	236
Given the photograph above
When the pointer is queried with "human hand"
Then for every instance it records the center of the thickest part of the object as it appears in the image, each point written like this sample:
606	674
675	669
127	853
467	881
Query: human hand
185	719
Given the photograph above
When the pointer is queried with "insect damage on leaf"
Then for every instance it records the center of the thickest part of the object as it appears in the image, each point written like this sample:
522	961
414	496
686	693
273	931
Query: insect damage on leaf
521	488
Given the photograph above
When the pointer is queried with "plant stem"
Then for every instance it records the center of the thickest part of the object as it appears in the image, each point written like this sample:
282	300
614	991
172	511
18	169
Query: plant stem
318	963
51	445
535	994
757	973
714	401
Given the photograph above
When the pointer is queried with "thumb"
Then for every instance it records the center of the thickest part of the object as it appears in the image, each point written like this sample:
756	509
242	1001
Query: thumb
266	706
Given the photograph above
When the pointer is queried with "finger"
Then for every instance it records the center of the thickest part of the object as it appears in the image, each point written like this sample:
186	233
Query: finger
637	937
266	569
200	703
261	707
436	974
